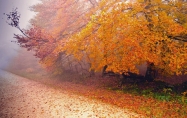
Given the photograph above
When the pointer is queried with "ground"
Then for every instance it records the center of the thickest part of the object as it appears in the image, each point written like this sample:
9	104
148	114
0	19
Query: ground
21	98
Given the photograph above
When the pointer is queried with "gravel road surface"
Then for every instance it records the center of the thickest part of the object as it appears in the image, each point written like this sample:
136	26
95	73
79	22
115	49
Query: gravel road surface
24	98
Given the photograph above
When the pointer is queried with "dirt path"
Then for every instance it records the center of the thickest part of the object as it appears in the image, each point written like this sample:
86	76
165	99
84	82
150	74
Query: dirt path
23	98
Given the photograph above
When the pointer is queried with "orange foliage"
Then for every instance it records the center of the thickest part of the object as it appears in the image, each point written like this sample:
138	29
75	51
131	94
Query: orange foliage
119	34
123	35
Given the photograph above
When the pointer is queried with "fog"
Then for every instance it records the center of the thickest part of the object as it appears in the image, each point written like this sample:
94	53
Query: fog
8	49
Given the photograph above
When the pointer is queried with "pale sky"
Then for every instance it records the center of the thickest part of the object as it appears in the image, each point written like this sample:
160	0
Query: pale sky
9	49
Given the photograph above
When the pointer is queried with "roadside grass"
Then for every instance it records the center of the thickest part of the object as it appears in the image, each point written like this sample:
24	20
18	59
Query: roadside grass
160	92
168	99
150	100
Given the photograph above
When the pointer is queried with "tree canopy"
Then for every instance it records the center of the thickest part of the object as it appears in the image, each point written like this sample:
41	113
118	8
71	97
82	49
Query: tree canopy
125	34
120	34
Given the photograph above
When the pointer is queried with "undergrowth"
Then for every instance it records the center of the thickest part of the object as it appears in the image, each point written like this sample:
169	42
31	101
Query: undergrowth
160	91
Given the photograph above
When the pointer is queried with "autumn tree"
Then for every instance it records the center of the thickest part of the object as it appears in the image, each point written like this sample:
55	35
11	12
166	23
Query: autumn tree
125	34
53	24
117	33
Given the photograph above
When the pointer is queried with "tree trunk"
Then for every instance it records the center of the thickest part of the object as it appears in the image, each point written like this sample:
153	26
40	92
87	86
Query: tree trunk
150	73
104	70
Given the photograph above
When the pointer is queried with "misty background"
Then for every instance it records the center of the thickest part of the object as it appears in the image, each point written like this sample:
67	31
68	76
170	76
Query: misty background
9	50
